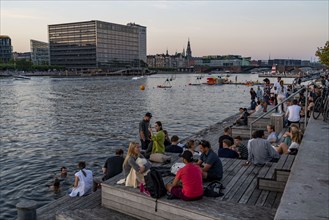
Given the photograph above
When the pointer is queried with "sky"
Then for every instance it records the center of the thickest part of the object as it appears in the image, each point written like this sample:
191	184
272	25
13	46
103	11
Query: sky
256	29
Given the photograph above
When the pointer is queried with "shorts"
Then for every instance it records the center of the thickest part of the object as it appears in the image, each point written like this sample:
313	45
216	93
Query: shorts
176	191
212	176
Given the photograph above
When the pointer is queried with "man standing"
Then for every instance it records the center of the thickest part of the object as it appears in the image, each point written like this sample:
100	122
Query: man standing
144	133
111	168
212	168
276	86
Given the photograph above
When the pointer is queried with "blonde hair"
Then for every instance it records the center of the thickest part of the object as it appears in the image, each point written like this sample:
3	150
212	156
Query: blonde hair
131	152
296	137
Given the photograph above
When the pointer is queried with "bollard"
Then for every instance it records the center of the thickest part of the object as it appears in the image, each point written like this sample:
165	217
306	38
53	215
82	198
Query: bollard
26	210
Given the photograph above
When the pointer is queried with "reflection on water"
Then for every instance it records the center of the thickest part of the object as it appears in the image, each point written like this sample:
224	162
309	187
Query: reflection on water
47	123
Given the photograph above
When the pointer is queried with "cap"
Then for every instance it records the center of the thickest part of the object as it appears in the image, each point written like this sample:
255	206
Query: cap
148	114
187	155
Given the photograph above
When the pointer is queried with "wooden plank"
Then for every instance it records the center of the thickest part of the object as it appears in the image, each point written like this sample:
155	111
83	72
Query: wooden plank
262	198
213	207
237	181
289	162
270	200
282	176
271	185
254	197
245	185
277	200
231	173
251	196
281	161
145	203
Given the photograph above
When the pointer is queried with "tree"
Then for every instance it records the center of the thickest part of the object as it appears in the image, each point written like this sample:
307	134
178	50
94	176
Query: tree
323	54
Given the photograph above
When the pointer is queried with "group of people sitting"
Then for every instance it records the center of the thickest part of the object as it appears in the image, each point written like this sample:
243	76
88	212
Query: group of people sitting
188	182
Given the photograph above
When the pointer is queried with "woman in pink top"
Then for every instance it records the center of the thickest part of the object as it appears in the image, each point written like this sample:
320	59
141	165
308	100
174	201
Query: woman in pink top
191	177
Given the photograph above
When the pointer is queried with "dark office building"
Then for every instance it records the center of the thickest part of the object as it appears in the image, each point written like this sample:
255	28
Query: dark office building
96	45
6	50
285	62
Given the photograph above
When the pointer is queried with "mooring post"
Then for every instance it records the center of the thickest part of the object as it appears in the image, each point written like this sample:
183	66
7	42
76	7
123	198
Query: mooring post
26	210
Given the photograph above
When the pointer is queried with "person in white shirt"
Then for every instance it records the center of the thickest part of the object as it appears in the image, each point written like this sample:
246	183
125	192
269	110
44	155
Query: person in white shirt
293	113
282	92
276	86
83	181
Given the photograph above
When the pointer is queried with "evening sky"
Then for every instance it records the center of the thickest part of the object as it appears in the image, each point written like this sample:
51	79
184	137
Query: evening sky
279	29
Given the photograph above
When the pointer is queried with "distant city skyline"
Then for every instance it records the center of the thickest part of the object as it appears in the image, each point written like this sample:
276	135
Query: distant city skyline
260	29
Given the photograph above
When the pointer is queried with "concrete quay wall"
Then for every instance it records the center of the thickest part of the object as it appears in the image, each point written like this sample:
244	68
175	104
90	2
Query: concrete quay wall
306	195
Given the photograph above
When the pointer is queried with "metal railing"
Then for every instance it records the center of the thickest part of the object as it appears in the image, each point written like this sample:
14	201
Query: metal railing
279	105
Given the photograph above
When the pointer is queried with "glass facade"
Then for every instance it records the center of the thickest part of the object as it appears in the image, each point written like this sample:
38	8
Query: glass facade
6	50
39	52
96	44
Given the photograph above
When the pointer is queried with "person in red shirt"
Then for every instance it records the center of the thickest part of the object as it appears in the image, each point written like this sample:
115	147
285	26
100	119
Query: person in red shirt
191	177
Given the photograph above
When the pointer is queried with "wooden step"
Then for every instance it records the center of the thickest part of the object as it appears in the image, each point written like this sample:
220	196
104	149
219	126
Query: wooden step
94	214
271	185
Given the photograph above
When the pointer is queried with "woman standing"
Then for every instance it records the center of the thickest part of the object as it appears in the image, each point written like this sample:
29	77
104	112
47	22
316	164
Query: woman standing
83	181
158	138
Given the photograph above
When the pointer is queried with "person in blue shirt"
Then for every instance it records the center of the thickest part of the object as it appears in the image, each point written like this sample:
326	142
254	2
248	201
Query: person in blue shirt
226	152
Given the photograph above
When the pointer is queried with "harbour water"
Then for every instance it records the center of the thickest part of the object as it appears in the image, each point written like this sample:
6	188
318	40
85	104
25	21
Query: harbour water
46	123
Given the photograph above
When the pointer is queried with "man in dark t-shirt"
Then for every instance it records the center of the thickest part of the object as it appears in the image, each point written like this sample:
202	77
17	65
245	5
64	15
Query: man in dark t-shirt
174	148
111	168
227	135
212	166
144	134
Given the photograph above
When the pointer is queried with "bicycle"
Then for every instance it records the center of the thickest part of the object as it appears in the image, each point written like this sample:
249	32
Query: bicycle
321	105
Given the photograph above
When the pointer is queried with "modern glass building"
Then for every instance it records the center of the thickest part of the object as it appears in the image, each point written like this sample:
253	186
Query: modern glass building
6	50
97	45
39	52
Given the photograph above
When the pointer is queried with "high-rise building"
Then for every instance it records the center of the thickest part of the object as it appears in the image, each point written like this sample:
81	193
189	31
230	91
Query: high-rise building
97	45
39	52
6	50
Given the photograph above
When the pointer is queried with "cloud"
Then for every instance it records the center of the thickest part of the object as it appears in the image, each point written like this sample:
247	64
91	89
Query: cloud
19	14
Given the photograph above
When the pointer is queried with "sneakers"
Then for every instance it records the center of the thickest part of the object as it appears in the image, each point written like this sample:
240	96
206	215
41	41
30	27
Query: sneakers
143	190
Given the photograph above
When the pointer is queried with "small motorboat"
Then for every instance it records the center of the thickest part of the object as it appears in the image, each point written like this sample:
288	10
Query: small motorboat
18	77
137	77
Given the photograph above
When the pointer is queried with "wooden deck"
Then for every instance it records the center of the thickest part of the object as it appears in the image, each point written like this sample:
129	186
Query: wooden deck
242	199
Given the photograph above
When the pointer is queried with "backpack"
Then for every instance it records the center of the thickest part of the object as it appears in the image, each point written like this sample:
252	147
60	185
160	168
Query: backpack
213	189
154	185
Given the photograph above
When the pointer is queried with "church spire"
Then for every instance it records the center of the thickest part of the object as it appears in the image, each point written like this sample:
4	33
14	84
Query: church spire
188	49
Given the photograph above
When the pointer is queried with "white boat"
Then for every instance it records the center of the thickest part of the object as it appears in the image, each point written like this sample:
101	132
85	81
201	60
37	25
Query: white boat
137	77
21	77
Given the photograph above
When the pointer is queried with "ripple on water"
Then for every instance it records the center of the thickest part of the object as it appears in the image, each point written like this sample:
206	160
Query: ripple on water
48	123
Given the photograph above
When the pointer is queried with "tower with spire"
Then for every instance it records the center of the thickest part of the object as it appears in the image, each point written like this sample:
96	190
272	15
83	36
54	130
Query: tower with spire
188	50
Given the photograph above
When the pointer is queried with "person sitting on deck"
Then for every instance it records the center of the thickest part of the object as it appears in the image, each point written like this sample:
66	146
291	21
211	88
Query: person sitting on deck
243	119
167	141
191	177
173	147
272	137
135	166
226	152
212	165
240	148
111	168
83	181
260	151
296	138
226	135
293	113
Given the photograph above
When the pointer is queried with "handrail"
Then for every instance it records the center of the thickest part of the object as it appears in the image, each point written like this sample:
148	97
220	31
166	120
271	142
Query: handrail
266	113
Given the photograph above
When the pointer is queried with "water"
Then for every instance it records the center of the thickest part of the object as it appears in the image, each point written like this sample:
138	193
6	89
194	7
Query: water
47	123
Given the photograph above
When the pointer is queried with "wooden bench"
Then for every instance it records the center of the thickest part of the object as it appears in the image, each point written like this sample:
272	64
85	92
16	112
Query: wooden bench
240	182
276	178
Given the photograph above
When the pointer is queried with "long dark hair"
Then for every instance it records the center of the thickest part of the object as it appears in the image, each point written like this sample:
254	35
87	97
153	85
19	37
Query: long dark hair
159	124
82	165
